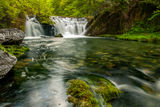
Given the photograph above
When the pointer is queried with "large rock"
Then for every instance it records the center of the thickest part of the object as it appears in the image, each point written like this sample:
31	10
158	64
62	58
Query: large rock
2	38
7	61
11	36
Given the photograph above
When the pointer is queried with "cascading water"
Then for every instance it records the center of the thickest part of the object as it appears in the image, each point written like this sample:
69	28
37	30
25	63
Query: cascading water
70	27
33	27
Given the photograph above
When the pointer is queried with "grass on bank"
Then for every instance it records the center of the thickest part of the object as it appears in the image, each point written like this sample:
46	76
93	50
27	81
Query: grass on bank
14	50
144	37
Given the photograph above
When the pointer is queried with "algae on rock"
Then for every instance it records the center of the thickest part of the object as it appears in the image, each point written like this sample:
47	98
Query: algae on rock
82	93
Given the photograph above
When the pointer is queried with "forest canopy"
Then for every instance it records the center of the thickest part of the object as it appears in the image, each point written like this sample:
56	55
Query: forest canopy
13	12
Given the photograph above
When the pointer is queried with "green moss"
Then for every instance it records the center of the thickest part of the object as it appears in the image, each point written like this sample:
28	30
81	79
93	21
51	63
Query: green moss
105	88
22	63
142	37
80	94
14	50
59	35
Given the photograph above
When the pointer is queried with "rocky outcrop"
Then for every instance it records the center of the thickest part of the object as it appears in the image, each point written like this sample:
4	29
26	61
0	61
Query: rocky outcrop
119	20
11	36
7	61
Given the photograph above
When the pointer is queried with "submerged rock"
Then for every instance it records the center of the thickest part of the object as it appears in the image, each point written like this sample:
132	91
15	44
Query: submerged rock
7	61
59	35
91	92
11	36
80	94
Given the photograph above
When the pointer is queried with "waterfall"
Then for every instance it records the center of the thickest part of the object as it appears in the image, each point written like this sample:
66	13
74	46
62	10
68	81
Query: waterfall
70	27
33	27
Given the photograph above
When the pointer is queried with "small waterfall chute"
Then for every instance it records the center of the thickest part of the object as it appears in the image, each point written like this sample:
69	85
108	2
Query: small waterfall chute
70	27
33	27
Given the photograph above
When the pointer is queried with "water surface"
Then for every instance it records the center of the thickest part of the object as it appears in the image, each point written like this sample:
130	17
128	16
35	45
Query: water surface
133	67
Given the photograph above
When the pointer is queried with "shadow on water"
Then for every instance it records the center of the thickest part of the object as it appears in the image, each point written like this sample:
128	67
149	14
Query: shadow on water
39	79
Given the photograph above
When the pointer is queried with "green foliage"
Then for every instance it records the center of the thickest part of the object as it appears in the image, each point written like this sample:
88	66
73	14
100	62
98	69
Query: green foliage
155	14
144	27
77	8
140	27
13	12
14	49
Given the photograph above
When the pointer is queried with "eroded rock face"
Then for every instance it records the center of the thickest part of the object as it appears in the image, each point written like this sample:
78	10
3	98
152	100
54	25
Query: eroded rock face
120	21
11	36
7	61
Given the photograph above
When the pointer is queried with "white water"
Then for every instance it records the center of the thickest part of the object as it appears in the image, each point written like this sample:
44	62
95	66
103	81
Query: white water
70	27
33	27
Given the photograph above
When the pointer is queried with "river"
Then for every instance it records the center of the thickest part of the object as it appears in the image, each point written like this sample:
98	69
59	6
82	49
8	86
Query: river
40	77
133	67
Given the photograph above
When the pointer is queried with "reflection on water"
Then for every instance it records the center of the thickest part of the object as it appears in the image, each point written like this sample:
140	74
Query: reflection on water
133	67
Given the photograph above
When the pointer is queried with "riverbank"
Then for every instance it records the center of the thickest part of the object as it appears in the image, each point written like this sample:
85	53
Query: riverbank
141	37
10	49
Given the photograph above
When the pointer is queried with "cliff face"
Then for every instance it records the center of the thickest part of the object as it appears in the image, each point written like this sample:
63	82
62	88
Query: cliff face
119	21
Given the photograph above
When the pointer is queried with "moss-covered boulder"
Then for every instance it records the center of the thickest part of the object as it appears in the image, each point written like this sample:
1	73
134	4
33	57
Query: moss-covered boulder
80	94
83	93
59	35
105	88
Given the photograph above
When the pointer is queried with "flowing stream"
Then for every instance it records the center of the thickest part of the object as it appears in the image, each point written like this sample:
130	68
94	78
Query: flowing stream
40	79
133	67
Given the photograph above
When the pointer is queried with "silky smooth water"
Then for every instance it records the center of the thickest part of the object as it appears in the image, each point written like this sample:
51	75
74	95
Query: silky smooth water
33	28
69	27
133	67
